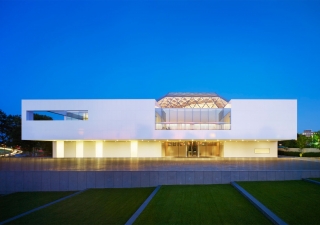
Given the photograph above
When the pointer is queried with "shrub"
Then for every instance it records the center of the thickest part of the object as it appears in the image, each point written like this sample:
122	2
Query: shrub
311	154
298	154
289	153
280	152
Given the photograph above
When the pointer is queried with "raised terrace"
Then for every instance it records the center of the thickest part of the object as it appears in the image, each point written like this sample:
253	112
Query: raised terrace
45	174
159	164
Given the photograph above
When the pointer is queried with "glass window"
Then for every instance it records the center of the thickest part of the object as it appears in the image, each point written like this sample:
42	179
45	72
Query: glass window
196	115
213	115
204	115
193	119
180	113
58	115
188	116
173	115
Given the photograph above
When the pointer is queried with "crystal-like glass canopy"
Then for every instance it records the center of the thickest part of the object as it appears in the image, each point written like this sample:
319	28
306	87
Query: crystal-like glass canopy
192	100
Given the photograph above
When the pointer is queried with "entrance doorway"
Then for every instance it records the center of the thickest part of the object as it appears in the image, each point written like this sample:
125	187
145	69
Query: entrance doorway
191	148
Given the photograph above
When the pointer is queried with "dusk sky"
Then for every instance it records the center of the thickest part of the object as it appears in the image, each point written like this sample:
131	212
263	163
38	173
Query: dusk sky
144	49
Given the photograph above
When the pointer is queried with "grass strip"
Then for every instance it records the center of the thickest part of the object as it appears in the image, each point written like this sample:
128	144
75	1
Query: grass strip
94	206
200	204
17	203
293	201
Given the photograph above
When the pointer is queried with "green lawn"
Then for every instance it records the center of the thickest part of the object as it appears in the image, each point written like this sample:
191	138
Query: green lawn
296	202
20	202
200	204
94	206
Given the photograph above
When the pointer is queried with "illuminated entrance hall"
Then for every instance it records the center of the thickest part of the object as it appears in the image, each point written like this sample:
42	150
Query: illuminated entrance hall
191	148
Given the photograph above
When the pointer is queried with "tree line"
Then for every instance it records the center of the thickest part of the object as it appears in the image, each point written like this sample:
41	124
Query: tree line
10	134
303	141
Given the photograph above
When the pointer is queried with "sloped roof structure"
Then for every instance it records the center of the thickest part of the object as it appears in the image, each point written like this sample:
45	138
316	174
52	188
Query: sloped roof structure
192	100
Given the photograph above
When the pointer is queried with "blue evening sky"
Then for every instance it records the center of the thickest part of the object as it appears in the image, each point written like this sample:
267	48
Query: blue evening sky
54	49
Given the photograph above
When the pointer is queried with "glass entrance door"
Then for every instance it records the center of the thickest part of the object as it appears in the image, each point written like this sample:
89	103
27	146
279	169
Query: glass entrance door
191	149
174	149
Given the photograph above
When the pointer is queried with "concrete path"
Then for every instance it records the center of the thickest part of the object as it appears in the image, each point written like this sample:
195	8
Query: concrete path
312	181
142	207
267	212
41	207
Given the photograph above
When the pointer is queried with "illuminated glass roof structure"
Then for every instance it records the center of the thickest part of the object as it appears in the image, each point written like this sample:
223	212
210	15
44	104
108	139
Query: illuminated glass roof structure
192	100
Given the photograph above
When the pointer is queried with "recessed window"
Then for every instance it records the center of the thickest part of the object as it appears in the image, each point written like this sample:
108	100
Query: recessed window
57	115
262	150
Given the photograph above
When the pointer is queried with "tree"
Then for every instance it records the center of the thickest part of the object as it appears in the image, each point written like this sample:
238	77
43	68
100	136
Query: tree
289	143
41	117
10	133
3	127
316	140
14	130
302	141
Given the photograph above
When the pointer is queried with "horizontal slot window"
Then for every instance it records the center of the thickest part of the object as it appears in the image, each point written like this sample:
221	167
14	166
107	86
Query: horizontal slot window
48	115
262	150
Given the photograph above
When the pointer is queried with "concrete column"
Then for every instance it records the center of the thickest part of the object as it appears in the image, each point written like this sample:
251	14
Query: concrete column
79	149
221	148
99	149
134	148
54	149
58	149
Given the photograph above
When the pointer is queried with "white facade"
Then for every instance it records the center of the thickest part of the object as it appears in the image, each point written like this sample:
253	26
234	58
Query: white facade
126	128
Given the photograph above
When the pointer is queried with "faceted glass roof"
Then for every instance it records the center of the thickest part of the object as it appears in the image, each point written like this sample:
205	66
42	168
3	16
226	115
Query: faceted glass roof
192	100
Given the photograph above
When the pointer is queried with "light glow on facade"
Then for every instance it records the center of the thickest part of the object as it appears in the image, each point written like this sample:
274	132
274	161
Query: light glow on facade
177	125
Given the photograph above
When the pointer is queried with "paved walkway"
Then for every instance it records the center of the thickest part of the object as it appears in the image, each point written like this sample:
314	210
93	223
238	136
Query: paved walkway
159	164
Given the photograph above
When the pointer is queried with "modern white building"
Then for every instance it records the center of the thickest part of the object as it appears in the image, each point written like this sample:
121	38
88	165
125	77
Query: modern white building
176	125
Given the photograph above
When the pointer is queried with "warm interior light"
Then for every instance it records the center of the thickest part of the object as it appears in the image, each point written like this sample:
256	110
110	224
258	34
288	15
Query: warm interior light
262	151
99	149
